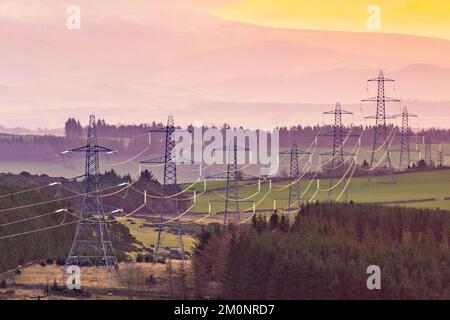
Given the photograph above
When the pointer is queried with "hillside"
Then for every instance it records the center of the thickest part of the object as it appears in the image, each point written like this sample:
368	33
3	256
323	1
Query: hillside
19	249
326	253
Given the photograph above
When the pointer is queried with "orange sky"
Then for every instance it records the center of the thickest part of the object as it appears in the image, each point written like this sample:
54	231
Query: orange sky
171	60
416	17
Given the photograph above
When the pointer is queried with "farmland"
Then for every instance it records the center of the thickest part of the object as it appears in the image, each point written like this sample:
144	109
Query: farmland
409	187
147	235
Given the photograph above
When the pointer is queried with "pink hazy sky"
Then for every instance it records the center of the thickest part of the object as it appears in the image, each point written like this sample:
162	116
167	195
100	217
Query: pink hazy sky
139	60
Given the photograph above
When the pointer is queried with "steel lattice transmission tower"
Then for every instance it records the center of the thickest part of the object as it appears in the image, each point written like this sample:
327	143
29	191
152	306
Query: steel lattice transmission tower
380	140
405	150
337	167
294	174
92	244
232	176
441	156
170	185
428	152
232	187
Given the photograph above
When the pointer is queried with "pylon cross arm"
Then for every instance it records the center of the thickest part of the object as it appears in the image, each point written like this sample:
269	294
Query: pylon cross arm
380	78
376	99
163	160
166	129
93	148
335	112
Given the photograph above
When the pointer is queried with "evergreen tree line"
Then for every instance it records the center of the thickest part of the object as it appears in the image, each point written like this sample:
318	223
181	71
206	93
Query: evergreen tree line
324	254
54	244
132	139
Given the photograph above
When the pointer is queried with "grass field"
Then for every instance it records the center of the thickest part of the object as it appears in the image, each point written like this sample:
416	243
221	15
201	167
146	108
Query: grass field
147	235
409	186
33	279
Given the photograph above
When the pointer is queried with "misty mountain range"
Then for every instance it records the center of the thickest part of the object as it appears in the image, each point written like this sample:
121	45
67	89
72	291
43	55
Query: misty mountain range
180	60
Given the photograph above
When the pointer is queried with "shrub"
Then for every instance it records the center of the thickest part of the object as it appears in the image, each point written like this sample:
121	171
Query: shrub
3	284
150	280
140	258
60	262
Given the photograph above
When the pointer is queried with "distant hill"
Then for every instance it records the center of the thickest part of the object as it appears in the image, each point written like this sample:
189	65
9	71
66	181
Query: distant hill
25	131
178	59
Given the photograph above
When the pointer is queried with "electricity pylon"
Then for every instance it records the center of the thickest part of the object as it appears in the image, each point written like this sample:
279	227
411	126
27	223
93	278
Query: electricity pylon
170	185
441	156
337	167
405	149
380	140
428	152
232	176
232	189
294	174
92	243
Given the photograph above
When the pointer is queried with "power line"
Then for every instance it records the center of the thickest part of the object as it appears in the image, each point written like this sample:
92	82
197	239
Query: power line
29	190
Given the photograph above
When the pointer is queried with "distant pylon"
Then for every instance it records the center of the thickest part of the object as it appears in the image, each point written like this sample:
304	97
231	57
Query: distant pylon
232	187
232	176
381	136
337	167
405	150
170	185
294	174
428	152
441	156
92	244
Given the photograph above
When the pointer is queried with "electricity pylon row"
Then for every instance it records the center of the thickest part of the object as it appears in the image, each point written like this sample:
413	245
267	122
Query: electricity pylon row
405	144
428	158
92	244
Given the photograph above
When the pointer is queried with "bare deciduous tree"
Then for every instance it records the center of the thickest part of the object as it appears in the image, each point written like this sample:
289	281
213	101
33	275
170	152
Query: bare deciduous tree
133	278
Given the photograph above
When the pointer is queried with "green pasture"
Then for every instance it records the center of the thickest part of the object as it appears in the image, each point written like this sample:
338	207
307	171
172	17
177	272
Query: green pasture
147	235
408	186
